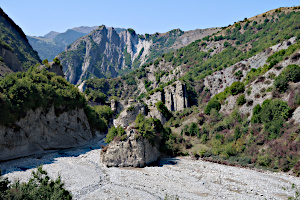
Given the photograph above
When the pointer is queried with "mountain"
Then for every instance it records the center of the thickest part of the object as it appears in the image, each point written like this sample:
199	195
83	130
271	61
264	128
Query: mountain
232	97
15	51
51	44
106	53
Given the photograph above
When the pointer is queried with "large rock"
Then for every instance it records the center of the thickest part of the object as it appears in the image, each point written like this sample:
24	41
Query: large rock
42	130
129	114
176	96
135	151
52	67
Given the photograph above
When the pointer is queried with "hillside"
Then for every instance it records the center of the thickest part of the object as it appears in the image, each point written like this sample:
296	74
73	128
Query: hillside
107	53
53	43
15	51
242	90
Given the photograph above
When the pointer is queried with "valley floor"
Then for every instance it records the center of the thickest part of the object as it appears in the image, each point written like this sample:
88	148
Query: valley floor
180	177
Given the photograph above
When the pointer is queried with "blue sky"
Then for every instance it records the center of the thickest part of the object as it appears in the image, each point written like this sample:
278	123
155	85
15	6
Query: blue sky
38	17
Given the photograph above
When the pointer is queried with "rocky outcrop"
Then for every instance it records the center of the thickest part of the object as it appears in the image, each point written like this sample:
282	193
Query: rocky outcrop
176	96
296	115
102	52
10	60
42	130
135	151
52	67
129	114
218	81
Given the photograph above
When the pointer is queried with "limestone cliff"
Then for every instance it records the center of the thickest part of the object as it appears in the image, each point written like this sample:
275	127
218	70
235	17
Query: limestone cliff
176	96
101	53
105	52
42	130
135	151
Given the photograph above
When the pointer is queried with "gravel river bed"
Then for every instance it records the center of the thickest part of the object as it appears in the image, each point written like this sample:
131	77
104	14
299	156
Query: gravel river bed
179	177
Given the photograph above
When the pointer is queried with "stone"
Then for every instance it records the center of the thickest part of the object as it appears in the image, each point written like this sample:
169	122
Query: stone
42	130
135	151
176	96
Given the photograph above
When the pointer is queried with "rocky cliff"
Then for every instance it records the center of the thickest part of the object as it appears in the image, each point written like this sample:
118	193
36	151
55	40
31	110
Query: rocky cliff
10	62
53	67
106	53
134	151
42	130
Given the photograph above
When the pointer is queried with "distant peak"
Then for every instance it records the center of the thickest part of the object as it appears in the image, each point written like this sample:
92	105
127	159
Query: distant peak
51	34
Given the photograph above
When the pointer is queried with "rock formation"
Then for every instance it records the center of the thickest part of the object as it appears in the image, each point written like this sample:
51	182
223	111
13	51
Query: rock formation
129	114
42	130
135	151
52	67
176	96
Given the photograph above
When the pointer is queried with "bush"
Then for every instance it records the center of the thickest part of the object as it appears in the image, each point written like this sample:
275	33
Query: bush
226	44
290	73
241	100
39	186
163	109
236	88
114	132
194	129
281	83
45	61
213	103
272	114
56	61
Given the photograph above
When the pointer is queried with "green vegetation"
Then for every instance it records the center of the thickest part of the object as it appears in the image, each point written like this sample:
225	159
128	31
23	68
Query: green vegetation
272	114
241	100
236	88
13	38
163	109
290	74
115	134
39	186
212	104
23	91
127	57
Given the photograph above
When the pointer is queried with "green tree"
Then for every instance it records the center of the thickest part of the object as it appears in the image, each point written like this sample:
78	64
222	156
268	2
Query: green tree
236	88
213	103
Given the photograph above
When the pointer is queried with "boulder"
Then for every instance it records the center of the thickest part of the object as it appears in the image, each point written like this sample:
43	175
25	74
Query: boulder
134	151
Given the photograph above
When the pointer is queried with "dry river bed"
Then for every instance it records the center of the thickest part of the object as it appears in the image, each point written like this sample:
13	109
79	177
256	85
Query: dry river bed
180	177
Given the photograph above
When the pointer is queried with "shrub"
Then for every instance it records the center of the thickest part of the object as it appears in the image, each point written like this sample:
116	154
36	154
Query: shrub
114	132
39	186
131	108
290	73
272	114
241	100
56	61
226	44
45	61
163	109
194	129
281	83
213	103
236	88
